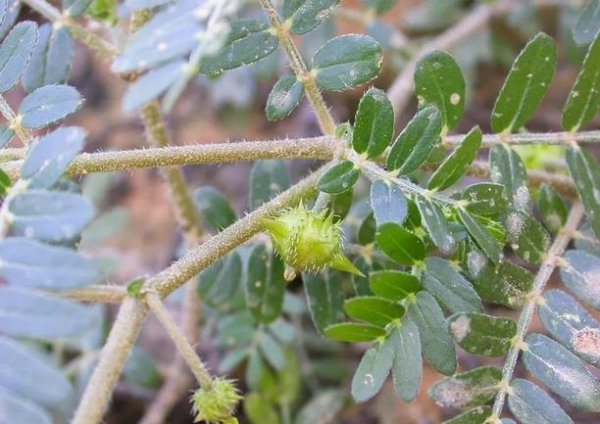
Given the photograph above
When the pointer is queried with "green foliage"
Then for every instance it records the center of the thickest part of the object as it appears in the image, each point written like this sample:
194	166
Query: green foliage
347	61
526	85
415	142
439	81
374	124
284	97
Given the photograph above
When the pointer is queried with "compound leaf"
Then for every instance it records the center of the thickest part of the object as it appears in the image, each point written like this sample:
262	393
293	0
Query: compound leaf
374	123
28	263
388	203
400	244
526	85
436	342
15	52
439	81
532	405
570	324
284	97
456	164
562	372
449	287
214	207
407	368
372	371
583	102
51	155
306	15
49	104
467	389
51	60
483	334
347	61
373	310
415	142
580	274
339	179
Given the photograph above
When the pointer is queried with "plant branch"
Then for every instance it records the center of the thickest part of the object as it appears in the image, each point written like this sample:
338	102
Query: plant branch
184	348
557	138
326	121
94	42
544	273
132	313
401	90
561	183
86	163
231	237
95	293
121	339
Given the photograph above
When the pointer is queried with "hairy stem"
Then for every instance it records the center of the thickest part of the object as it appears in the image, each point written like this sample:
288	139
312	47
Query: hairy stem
94	42
545	271
132	313
87	163
184	348
236	234
557	138
121	339
95	293
326	121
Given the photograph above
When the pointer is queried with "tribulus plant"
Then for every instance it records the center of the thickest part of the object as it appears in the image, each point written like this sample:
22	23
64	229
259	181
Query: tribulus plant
426	238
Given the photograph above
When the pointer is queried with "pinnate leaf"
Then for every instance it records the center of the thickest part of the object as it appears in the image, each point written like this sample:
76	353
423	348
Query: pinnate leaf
456	164
415	142
439	81
583	102
483	334
526	85
374	123
347	61
284	97
15	52
49	104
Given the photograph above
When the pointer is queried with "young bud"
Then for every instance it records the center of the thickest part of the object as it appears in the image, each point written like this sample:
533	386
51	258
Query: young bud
309	241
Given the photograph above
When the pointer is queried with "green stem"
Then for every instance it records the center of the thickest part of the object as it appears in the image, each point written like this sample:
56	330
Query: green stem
95	293
374	172
544	273
557	138
326	121
121	339
236	234
156	157
132	314
184	348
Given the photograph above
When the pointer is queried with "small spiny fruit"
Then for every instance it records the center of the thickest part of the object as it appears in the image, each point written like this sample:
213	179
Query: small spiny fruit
308	241
216	404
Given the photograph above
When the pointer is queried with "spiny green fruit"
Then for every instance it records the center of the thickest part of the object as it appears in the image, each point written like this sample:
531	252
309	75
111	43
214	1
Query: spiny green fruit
217	403
308	241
